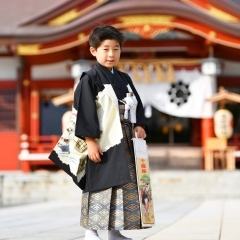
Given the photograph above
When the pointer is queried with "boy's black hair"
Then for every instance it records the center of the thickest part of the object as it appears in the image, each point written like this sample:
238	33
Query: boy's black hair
104	32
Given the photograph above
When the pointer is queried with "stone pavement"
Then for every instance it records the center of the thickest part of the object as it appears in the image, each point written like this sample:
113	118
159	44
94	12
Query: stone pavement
189	205
211	220
189	219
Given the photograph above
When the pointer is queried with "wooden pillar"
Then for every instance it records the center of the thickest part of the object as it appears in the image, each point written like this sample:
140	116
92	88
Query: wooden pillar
25	166
24	114
207	129
34	109
196	132
25	102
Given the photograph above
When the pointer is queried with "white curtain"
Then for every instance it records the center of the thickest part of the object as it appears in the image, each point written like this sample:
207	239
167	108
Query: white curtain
157	95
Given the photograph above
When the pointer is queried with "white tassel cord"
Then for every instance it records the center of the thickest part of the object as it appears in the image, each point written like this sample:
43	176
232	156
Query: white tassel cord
130	104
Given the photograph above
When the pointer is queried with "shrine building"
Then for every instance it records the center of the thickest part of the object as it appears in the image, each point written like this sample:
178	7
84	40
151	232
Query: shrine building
177	52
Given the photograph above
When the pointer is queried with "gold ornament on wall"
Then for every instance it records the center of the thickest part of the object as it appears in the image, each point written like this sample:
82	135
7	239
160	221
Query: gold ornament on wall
152	19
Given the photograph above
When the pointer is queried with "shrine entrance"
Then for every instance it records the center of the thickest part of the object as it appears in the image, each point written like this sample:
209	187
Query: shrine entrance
167	129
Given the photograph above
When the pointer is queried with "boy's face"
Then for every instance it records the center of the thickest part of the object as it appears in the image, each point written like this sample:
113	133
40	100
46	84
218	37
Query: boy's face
108	53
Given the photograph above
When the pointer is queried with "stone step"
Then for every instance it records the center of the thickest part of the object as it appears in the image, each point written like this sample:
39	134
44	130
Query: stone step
177	157
196	183
19	188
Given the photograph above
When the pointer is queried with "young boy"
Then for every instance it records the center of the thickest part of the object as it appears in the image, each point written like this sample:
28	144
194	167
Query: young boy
108	109
110	198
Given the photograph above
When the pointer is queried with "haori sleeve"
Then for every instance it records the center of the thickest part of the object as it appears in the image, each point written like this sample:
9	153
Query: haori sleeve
87	124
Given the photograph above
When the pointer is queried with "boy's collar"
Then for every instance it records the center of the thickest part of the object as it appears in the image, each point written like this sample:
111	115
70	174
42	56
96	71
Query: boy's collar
99	64
109	74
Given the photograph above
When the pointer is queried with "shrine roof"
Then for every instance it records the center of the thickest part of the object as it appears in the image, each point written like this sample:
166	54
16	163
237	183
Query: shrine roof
31	18
51	22
15	12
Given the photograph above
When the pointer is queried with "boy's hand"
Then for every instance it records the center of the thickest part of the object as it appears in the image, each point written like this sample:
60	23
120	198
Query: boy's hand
94	150
140	132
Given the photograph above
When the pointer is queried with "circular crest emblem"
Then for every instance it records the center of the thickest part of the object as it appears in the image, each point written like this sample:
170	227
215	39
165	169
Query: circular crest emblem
179	93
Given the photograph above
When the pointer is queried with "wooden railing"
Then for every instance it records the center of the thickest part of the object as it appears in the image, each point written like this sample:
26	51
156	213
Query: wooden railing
218	155
35	151
42	144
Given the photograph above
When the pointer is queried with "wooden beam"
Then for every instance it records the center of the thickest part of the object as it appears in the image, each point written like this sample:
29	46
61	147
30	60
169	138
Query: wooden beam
228	81
162	43
224	95
185	48
8	84
53	57
53	83
226	53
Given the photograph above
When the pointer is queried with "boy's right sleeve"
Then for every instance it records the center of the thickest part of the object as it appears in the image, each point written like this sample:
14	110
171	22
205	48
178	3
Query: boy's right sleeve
87	124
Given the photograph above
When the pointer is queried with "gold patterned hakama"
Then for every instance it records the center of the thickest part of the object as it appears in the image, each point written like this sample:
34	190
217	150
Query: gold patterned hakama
115	208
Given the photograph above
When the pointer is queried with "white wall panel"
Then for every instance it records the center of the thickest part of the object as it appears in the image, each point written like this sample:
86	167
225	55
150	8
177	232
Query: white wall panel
56	70
8	68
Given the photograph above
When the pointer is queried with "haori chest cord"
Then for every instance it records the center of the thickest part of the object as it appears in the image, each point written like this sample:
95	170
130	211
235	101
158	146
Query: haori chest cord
130	103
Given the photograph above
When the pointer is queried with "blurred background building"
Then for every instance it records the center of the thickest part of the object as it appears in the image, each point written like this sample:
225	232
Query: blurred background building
178	53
